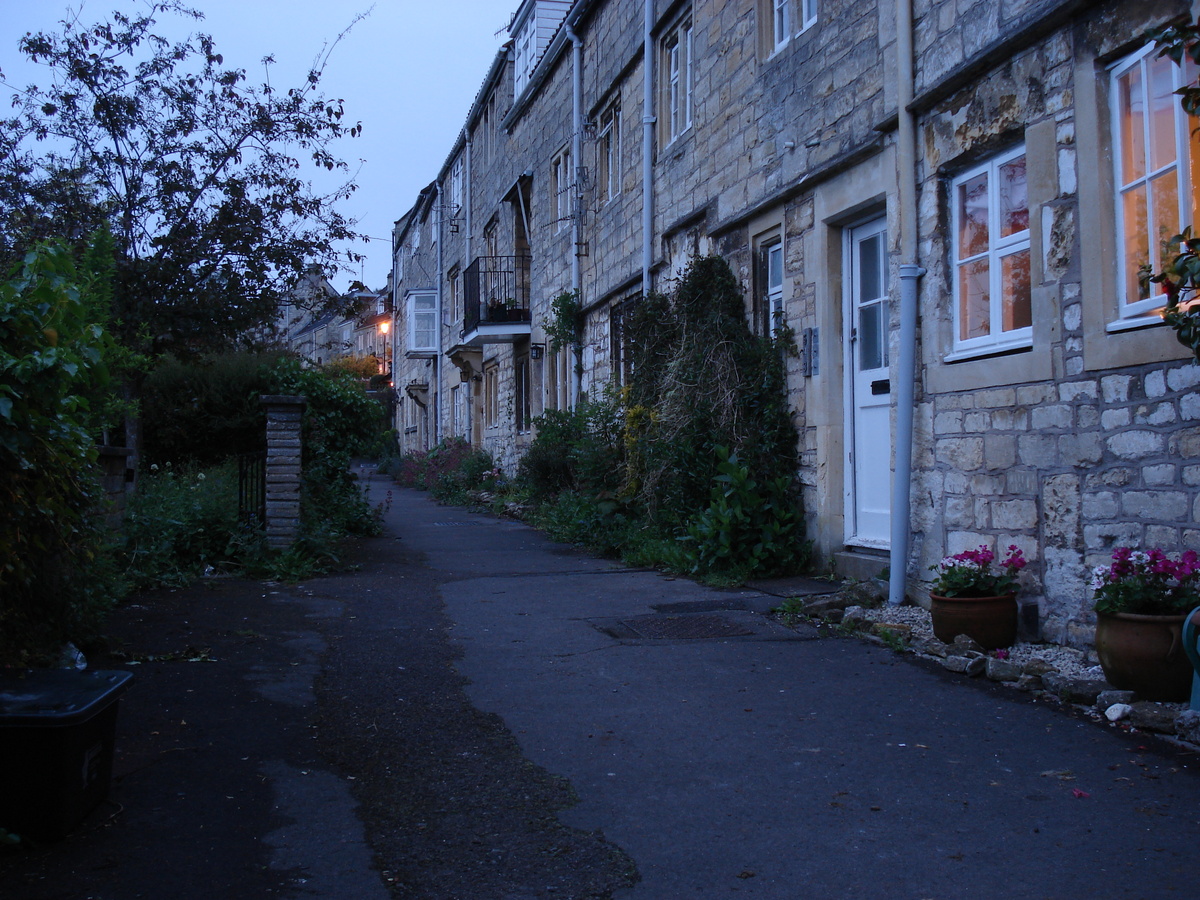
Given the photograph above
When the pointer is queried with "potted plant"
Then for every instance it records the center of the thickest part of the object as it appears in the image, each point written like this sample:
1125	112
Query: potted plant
974	595
1142	599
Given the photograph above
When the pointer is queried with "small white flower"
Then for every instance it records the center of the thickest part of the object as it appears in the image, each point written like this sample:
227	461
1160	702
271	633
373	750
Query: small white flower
153	467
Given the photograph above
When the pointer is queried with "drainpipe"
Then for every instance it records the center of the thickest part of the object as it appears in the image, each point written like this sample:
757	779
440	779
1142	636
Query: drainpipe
910	273
648	121
467	199
437	359
576	160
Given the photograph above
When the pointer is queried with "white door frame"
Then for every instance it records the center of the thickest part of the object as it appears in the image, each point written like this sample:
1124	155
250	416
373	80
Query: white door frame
879	536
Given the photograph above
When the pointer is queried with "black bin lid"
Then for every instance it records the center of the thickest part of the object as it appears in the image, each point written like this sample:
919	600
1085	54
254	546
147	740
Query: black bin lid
57	697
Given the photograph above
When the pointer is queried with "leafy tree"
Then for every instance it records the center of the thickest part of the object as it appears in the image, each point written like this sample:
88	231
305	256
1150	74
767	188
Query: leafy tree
195	168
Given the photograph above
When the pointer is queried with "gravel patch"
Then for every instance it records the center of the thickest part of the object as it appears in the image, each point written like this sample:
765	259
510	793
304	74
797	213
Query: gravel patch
1067	660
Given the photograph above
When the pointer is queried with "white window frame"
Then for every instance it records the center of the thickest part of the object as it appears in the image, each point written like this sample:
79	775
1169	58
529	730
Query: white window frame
781	24
809	10
491	395
454	282
998	248
422	322
562	185
524	54
608	143
522	392
774	273
1126	184
677	86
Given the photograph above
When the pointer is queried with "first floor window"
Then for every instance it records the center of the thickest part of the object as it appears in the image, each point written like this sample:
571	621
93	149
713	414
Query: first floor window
770	273
556	377
491	395
1155	174
990	211
522	391
621	338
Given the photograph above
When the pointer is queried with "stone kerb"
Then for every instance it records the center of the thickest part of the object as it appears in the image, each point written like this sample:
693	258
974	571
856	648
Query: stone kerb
285	415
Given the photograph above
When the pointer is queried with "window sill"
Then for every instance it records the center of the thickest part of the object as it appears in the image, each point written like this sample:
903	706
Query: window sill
987	352
1133	323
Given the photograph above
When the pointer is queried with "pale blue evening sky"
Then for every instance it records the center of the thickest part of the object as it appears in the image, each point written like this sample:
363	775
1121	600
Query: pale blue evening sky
408	72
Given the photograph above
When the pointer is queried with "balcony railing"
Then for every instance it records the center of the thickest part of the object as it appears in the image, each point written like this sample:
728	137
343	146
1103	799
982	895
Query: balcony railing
495	290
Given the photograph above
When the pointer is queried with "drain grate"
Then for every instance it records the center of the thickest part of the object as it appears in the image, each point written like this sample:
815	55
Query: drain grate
679	628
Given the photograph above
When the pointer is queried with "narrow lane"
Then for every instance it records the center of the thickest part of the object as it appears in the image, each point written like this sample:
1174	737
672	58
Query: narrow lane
774	767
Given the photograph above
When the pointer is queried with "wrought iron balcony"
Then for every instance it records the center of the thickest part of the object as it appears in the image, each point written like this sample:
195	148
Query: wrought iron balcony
496	299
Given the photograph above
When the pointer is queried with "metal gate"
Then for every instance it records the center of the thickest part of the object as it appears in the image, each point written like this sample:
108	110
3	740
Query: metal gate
252	489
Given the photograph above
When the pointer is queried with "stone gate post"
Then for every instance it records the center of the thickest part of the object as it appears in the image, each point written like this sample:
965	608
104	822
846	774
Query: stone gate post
284	448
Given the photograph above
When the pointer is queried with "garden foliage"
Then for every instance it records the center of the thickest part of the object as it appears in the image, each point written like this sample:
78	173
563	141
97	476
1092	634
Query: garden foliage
52	358
700	445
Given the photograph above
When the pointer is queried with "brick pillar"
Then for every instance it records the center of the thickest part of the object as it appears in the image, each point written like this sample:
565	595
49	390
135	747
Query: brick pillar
284	415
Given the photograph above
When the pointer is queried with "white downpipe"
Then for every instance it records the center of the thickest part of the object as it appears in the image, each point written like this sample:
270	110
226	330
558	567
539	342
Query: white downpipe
576	200
910	273
648	121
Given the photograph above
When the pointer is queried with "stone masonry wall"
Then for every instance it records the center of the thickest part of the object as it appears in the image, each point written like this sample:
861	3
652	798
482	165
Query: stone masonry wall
1059	457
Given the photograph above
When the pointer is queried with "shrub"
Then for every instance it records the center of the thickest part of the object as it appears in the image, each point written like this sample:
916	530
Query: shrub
749	528
53	584
450	471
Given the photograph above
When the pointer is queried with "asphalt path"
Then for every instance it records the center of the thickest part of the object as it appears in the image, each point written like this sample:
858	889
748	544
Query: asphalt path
473	712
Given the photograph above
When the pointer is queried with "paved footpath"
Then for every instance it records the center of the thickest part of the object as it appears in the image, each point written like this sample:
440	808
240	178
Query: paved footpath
777	765
477	713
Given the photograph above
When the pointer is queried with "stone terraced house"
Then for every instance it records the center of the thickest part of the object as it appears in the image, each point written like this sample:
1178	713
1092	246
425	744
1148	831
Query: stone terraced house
947	200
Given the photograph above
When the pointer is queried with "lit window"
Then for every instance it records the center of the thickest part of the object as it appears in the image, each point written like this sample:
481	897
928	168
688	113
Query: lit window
1154	170
992	308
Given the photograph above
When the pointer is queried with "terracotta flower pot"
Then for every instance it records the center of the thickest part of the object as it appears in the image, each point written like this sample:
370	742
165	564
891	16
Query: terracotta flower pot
1144	654
990	621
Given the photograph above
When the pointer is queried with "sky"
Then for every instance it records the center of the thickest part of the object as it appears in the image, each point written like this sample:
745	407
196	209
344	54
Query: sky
408	72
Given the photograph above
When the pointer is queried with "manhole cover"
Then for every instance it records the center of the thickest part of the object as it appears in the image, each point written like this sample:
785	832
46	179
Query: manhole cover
696	606
677	628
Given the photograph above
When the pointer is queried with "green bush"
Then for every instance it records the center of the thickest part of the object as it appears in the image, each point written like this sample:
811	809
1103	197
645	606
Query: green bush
450	471
750	526
53	581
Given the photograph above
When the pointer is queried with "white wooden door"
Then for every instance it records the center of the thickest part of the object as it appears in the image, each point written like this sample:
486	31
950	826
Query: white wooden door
868	414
